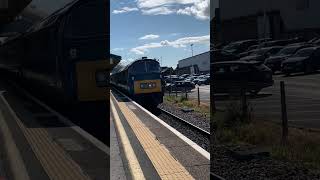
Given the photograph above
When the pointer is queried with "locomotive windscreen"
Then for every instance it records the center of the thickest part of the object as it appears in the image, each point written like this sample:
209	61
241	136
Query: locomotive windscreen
145	67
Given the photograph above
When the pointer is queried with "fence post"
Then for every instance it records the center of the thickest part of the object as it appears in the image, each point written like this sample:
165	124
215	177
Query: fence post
284	114
185	89
198	97
243	101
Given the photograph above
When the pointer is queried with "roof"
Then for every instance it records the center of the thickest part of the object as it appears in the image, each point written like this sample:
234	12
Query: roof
52	17
131	63
195	55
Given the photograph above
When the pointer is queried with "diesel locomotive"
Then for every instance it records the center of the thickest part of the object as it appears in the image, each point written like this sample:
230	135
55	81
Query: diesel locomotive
62	52
141	79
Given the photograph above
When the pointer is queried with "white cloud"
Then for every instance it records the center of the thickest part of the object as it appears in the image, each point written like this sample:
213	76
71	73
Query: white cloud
181	42
157	11
117	49
200	10
124	10
197	8
150	36
157	3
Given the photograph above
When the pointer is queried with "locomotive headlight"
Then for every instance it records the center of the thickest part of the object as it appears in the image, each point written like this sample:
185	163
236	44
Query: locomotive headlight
148	85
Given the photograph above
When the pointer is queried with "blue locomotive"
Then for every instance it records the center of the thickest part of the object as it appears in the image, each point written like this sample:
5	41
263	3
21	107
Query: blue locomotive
141	79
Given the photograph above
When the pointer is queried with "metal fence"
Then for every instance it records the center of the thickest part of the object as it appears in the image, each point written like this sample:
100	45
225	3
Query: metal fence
190	93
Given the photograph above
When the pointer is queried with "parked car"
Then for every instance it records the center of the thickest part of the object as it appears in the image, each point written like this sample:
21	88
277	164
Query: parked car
305	60
204	80
240	46
253	47
247	53
282	42
274	62
195	81
172	79
221	55
180	86
229	77
262	54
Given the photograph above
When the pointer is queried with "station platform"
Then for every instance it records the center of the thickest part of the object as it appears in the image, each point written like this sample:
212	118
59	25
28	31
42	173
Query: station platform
151	149
38	143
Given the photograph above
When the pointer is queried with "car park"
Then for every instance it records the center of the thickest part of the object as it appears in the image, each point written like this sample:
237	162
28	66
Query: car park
274	62
229	77
305	60
262	54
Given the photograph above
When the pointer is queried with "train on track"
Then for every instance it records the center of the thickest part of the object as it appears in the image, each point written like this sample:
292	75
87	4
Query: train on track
62	52
141	80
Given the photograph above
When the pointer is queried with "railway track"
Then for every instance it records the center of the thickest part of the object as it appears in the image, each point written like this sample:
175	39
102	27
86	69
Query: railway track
186	123
191	131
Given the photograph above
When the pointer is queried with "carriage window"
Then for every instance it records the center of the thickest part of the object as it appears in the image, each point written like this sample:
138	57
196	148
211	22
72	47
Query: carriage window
87	20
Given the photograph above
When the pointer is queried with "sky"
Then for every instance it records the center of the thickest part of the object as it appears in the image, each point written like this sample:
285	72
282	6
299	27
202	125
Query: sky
161	29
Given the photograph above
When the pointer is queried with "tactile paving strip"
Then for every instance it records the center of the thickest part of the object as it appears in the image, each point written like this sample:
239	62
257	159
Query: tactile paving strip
165	164
56	162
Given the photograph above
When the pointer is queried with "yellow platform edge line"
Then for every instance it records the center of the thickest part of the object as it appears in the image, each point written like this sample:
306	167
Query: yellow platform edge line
168	167
134	166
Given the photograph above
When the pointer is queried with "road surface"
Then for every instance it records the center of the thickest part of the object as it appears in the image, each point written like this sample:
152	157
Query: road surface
303	100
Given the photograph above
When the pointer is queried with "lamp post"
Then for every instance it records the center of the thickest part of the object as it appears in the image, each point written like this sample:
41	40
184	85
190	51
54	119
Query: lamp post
191	45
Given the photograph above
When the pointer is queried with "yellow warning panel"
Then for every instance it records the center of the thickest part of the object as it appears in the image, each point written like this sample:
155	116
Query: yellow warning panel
88	90
165	164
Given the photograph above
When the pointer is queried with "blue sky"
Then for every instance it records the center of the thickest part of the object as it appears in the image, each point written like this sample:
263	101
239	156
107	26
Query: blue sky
161	29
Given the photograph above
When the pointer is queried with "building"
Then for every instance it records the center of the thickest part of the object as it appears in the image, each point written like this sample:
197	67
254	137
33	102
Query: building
247	19
196	64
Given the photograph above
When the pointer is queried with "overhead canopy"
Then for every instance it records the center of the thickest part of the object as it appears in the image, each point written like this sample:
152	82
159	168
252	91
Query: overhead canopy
22	14
9	9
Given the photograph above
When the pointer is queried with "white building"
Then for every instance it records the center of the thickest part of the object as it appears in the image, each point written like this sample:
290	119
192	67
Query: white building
202	61
245	18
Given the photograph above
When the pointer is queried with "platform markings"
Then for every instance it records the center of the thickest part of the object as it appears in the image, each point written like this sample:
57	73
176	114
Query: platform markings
57	164
64	120
134	166
195	146
165	164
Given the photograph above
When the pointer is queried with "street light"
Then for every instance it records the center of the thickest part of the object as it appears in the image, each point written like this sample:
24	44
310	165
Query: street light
191	49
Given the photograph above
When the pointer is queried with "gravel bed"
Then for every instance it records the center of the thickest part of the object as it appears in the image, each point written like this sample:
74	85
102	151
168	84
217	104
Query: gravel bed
225	166
194	118
193	135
